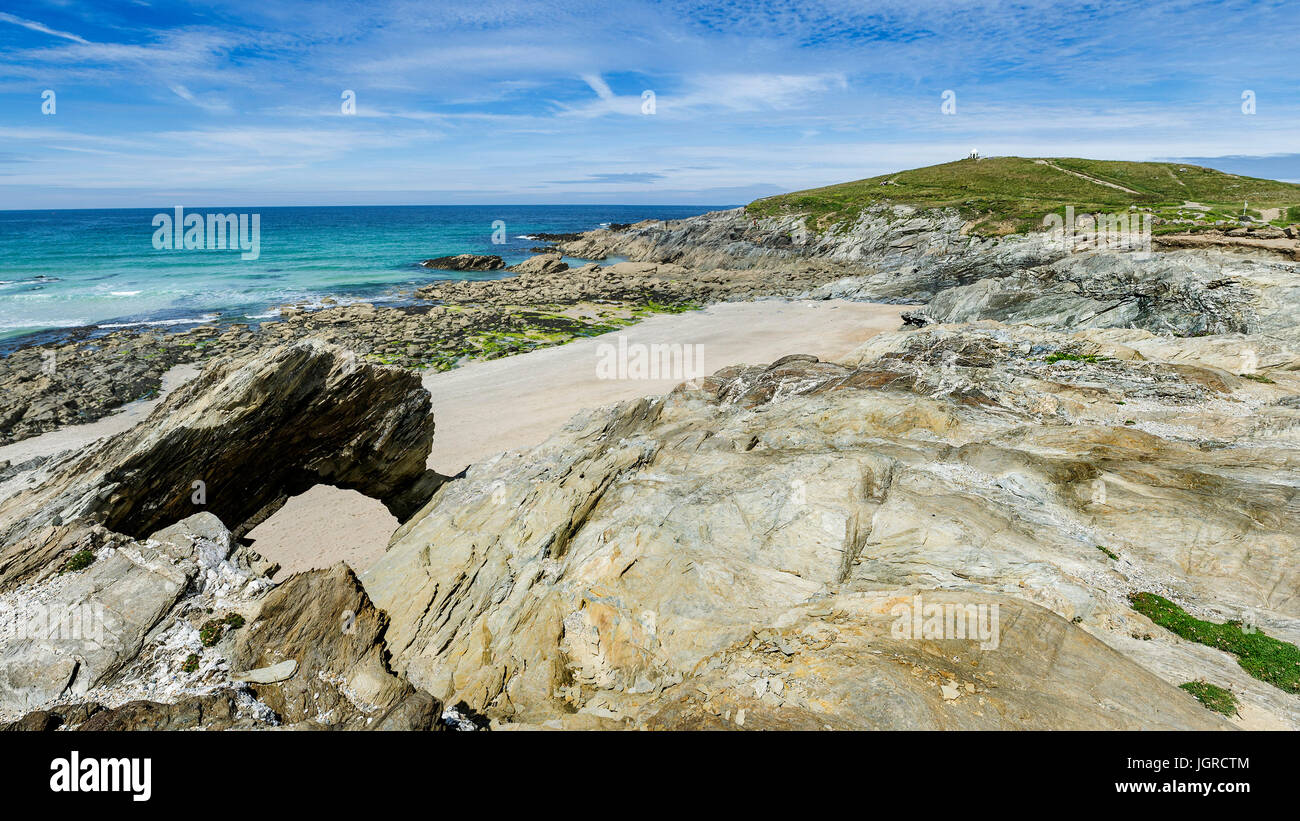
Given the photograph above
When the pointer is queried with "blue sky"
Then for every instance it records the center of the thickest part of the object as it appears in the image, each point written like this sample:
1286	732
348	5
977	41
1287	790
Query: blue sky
239	103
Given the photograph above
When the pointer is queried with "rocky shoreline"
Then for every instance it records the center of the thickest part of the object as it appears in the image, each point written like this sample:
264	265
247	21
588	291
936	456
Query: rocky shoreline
1061	437
47	386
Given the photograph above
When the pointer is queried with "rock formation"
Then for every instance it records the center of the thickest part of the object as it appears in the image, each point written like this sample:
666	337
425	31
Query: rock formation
466	262
104	627
742	545
324	623
541	264
123	618
237	441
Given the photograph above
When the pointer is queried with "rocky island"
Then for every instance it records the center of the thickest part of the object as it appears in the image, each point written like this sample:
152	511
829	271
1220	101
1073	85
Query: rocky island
1060	495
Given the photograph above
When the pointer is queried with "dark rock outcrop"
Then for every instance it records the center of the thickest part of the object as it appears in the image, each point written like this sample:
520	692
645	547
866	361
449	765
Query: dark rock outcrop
466	262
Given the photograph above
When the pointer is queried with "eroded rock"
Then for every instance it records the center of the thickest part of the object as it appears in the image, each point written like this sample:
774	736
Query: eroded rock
319	644
237	441
628	572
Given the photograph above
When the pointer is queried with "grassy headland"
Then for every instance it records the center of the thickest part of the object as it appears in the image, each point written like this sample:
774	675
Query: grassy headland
1002	195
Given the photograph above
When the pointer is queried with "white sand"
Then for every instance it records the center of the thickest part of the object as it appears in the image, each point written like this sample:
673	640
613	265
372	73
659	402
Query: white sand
517	402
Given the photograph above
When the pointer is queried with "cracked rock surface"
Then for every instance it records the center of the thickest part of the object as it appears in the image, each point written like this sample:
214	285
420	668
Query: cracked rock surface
636	569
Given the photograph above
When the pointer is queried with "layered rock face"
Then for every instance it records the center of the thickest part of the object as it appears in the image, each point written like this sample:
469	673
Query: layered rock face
901	254
103	627
180	631
634	282
237	442
1183	293
124	624
321	630
745	552
541	264
925	250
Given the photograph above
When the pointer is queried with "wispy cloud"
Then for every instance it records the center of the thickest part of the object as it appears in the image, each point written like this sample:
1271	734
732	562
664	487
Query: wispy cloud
41	27
489	98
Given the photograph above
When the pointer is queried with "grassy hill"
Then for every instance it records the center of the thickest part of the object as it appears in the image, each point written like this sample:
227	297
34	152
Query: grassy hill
1004	195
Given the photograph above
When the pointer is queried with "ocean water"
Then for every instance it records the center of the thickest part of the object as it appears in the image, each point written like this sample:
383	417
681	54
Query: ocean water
99	269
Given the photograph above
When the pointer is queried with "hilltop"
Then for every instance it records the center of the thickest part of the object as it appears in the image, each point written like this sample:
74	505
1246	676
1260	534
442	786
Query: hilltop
1002	195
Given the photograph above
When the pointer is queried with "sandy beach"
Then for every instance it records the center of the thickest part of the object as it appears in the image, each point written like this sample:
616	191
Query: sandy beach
484	408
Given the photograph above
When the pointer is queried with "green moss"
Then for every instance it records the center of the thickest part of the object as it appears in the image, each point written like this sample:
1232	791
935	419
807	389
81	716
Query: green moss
651	305
1073	357
1257	377
191	663
78	561
210	632
1265	658
1212	696
1109	553
234	621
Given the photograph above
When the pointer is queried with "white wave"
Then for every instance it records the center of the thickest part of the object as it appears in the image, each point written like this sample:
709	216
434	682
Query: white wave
52	323
123	293
195	320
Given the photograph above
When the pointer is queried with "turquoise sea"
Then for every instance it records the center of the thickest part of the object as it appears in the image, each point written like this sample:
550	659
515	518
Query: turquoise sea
98	270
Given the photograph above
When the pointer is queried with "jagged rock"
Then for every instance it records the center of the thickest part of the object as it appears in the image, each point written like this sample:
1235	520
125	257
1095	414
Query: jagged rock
214	711
211	711
63	384
312	649
55	718
899	253
920	251
637	568
466	262
79	629
83	627
251	432
323	624
541	264
1184	292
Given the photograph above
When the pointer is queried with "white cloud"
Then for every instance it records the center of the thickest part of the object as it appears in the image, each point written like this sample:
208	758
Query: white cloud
41	27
